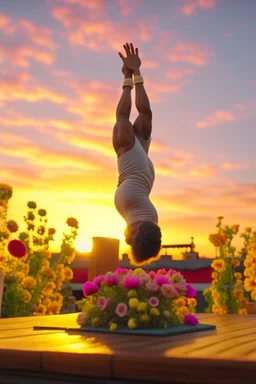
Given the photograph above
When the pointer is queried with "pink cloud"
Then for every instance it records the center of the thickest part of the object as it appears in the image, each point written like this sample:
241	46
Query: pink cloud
192	5
128	8
240	111
193	53
22	55
102	33
175	73
41	36
6	25
219	117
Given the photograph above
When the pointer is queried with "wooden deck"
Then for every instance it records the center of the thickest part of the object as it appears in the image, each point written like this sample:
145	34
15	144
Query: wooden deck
226	355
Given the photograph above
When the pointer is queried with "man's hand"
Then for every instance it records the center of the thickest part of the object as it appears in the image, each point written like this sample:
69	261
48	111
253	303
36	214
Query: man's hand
132	62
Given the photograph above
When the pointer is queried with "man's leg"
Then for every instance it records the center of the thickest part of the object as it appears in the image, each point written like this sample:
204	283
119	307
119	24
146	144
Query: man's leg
143	123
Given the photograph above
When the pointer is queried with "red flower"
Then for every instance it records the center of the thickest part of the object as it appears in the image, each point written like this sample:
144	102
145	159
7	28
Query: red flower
72	222
51	231
17	248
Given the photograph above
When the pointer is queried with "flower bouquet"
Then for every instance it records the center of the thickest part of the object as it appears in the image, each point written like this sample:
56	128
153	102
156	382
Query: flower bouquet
127	299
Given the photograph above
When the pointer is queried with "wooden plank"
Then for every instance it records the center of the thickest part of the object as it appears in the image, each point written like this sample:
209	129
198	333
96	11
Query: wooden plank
182	370
15	359
90	364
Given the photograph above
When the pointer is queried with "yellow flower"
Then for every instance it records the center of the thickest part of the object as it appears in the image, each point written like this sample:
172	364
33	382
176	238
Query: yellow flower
214	282
40	310
250	284
154	312
238	292
215	294
215	309
142	307
253	295
46	302
220	218
235	263
215	275
96	322
26	296
113	327
242	311
223	311
50	285
133	303
238	275
184	310
20	275
248	229
218	265
180	302
144	318
29	282
192	302
68	273
132	293
138	271
58	296
235	228
132	323
239	283
54	308
248	272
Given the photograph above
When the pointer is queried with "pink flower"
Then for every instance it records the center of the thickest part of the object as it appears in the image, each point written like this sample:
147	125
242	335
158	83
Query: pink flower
153	301
191	292
162	279
111	279
90	288
152	274
102	302
144	277
161	271
81	318
98	280
131	281
181	287
152	286
122	271
190	319
172	272
121	309
168	290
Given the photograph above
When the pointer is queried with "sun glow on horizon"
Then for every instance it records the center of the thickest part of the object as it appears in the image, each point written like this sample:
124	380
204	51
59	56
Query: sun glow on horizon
83	244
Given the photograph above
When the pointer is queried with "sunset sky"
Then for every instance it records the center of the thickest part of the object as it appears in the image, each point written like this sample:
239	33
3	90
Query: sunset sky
60	81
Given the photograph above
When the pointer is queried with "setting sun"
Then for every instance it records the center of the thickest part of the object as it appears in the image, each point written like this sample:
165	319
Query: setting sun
83	244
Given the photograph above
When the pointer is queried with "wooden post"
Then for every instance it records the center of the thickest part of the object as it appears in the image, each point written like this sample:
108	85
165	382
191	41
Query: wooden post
1	289
104	256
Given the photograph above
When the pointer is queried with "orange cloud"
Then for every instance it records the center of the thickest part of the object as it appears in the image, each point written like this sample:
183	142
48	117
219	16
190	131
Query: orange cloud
16	87
21	55
192	53
205	171
230	166
192	5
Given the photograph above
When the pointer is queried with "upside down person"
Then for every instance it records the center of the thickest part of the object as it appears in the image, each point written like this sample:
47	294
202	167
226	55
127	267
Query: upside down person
136	171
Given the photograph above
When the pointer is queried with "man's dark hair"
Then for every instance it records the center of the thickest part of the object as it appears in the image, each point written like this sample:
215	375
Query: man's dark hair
147	242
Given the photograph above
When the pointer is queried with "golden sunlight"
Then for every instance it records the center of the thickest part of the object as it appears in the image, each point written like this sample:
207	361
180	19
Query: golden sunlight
83	244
